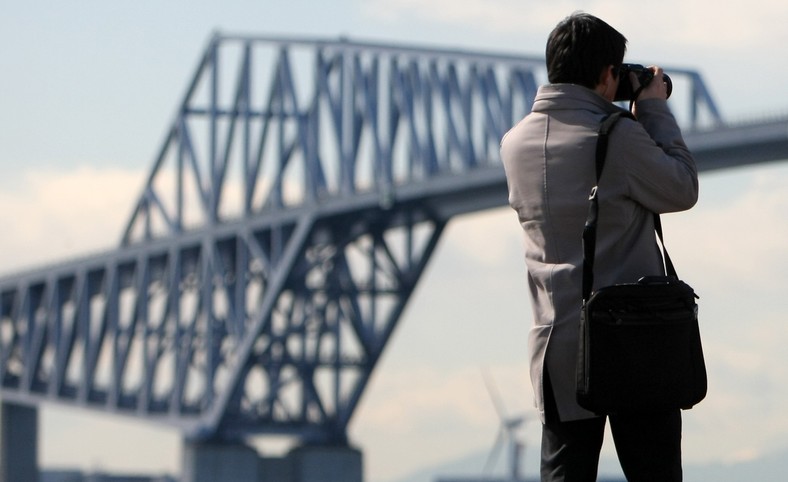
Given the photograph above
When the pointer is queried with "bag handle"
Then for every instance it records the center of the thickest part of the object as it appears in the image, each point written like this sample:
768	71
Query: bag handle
589	230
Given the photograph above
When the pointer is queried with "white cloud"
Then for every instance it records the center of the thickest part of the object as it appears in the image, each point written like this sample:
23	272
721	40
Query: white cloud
50	215
741	27
142	448
510	16
489	238
429	415
736	237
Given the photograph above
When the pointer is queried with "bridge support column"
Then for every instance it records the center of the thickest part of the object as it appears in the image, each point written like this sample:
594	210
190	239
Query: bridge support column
18	443
213	461
237	462
326	464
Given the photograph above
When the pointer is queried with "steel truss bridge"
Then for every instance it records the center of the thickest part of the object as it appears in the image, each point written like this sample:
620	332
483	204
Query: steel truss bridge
298	195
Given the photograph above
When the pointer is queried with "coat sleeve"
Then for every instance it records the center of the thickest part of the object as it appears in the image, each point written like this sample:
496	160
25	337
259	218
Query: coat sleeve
659	169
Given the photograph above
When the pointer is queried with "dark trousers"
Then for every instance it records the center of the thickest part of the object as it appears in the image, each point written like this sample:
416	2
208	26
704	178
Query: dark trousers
648	445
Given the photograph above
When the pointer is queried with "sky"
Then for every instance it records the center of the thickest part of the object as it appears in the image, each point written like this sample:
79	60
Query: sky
89	87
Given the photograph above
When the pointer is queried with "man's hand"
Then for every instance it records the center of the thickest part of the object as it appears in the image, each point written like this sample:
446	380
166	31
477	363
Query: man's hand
656	89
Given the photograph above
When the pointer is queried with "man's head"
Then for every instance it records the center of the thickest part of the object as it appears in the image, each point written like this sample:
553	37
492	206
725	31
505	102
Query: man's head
580	48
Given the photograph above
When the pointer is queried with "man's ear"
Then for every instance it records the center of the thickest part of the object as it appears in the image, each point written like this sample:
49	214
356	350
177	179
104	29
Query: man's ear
607	76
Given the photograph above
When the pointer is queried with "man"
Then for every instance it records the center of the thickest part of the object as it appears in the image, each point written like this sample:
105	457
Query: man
549	158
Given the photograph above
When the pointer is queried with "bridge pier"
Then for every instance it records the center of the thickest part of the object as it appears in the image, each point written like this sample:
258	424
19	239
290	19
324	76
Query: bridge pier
18	443
208	461
212	461
325	464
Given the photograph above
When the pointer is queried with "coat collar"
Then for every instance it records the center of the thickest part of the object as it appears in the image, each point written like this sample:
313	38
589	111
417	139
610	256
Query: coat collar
571	97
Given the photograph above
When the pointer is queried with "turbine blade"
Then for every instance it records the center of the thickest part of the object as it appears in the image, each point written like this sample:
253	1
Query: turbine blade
495	396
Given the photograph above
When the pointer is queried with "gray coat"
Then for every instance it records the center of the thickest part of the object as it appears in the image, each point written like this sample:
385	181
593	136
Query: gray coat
549	161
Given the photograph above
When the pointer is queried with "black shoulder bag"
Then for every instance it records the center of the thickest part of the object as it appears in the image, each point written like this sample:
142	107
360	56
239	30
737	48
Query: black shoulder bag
640	347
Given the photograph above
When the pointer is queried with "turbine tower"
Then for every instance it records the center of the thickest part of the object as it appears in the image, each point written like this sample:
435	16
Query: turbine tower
507	434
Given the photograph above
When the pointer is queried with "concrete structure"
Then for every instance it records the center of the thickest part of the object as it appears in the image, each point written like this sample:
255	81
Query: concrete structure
18	443
78	476
325	464
237	462
207	462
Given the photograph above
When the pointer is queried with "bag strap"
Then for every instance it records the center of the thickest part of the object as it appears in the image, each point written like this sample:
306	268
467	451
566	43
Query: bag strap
590	228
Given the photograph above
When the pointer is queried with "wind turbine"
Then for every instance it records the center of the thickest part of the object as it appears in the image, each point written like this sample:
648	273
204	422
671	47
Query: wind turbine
506	433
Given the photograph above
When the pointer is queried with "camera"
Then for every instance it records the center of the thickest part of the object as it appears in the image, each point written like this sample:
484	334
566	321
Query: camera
644	76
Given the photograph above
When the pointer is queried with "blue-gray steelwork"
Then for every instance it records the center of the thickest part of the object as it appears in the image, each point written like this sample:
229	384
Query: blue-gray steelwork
295	202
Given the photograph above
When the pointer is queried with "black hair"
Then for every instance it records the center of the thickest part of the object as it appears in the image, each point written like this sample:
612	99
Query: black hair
580	47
